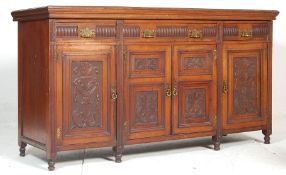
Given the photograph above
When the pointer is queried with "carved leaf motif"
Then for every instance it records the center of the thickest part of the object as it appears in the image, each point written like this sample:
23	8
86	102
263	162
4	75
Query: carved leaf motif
245	85
146	107
195	63
86	94
195	103
147	64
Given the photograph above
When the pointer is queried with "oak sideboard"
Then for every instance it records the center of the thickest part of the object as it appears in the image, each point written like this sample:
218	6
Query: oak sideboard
93	77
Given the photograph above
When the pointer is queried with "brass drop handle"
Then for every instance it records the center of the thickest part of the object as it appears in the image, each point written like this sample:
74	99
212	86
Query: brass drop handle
87	33
246	33
195	33
175	92
149	33
224	87
168	91
114	95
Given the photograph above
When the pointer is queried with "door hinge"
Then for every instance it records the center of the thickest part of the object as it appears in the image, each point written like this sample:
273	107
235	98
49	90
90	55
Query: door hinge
125	128
59	133
215	54
215	120
224	87
114	95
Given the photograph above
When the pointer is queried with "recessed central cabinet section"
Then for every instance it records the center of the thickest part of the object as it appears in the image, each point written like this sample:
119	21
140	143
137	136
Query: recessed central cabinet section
194	89
147	91
170	90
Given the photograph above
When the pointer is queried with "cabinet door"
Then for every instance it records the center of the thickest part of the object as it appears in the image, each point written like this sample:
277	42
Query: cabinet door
245	85
194	88
85	76
147	75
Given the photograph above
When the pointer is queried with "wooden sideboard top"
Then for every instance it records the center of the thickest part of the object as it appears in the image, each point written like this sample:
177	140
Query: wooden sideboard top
92	12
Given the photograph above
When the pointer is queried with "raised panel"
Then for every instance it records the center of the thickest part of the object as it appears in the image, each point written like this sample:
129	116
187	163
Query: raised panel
244	105
245	92
195	107
87	109
147	64
246	85
194	60
147	111
146	107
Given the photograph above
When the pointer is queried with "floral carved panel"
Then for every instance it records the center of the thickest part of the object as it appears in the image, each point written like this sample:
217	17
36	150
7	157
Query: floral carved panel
195	100
245	85
146	107
147	64
86	94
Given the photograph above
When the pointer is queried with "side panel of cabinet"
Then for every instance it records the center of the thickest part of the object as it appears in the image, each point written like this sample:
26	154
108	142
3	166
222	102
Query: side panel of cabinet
147	108
85	111
194	88
245	81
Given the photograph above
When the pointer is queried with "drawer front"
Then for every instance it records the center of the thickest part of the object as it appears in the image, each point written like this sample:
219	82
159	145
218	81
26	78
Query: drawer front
93	30
246	31
152	30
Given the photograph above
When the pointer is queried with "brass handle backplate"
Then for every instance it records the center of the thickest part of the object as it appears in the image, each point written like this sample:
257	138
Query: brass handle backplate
224	87
114	95
195	33
87	33
246	33
175	92
168	91
149	33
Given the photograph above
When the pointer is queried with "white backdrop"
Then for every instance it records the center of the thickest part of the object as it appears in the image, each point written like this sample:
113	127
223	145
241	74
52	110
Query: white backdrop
8	44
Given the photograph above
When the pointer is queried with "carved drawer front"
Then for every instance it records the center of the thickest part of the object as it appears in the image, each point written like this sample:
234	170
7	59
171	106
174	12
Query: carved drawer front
246	31
195	60
245	100
147	64
149	113
147	61
169	30
85	31
88	110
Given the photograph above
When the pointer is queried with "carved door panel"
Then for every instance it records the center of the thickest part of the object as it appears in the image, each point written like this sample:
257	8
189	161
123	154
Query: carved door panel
245	85
147	75
85	77
194	88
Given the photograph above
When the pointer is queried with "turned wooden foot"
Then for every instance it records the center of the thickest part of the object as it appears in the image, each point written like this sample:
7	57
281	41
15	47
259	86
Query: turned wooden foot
117	154
266	136
216	142
22	149
51	164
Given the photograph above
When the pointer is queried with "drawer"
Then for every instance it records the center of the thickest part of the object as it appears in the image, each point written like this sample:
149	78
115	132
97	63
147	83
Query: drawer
246	31
85	30
150	30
